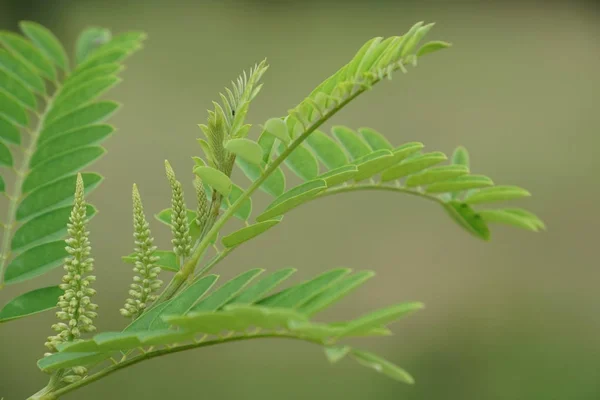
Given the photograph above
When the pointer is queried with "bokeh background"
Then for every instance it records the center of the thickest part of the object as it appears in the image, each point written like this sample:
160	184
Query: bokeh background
514	319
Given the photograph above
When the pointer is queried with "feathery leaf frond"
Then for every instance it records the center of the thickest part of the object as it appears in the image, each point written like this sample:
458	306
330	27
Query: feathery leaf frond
64	134
235	310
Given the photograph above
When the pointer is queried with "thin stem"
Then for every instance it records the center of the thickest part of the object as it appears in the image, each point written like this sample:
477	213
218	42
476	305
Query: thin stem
17	193
376	186
162	352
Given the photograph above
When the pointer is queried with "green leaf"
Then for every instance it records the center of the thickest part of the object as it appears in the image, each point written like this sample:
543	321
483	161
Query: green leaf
101	71
184	301
12	110
62	360
22	72
88	41
380	365
247	149
460	156
237	318
215	178
6	158
292	199
47	226
515	217
353	67
26	51
113	341
431	47
54	195
355	146
373	163
436	174
8	131
262	287
225	293
412	165
266	143
86	115
466	217
100	58
414	35
18	90
497	193
143	322
2	185
82	94
81	346
167	260
58	167
77	139
340	327
273	185
327	150
263	317
127	41
47	43
460	183
381	317
335	292
29	303
302	162
298	295
35	261
339	175
278	128
164	337
249	232
336	353
375	139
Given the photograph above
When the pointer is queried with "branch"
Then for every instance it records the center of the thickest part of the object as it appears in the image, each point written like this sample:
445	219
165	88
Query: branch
158	353
189	267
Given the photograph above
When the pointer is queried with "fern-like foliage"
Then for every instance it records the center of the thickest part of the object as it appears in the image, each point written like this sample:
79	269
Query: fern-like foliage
191	312
51	127
242	309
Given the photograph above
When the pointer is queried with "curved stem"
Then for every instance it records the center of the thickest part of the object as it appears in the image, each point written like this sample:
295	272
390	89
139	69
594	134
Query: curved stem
16	195
162	352
375	186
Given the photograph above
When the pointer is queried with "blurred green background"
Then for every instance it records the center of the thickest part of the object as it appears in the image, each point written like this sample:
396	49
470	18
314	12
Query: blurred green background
517	318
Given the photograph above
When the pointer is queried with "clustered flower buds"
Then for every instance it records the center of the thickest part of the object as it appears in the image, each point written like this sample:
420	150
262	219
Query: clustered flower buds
203	207
146	282
182	241
77	311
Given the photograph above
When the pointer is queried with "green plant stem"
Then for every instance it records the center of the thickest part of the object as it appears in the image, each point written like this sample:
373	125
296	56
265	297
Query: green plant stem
53	385
17	193
162	352
375	186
